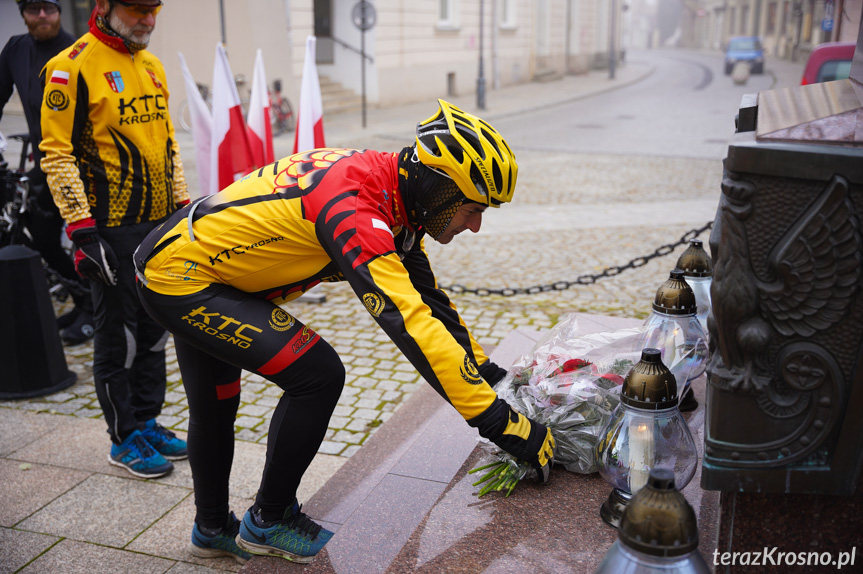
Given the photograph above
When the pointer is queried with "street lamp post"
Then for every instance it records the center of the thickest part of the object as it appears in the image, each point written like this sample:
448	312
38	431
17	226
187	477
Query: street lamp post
364	16
612	55
480	81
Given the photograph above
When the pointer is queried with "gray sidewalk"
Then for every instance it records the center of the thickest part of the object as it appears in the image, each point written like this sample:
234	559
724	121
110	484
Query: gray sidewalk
60	508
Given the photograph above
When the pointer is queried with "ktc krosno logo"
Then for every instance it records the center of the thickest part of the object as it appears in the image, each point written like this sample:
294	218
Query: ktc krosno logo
281	320
374	303
142	109
57	100
222	327
469	372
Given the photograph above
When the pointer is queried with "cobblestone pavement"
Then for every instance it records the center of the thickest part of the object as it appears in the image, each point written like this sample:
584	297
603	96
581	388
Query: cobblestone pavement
515	252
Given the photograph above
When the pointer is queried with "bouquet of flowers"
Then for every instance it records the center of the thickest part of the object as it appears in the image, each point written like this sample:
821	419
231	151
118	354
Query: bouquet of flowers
571	384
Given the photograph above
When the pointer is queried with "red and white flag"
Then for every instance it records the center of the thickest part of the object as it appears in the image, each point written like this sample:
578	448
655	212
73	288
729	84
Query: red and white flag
310	116
230	152
260	128
59	77
201	121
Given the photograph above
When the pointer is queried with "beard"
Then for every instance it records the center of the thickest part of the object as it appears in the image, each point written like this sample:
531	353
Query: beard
135	34
43	29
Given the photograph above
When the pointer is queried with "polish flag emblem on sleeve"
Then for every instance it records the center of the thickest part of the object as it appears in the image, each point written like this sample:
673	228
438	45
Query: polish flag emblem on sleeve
59	77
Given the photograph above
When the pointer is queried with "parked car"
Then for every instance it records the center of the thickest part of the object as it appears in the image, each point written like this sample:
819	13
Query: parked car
828	61
744	49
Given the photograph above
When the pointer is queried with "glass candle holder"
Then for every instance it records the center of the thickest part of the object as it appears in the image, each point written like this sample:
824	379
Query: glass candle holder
697	270
673	328
658	533
646	431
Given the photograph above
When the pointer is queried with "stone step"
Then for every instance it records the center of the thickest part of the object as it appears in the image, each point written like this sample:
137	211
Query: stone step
338	99
547	75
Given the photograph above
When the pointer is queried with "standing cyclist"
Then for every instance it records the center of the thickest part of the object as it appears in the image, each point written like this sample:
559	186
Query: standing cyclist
21	61
215	274
114	169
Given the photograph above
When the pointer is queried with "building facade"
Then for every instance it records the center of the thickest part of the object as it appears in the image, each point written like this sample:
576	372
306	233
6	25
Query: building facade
789	29
412	50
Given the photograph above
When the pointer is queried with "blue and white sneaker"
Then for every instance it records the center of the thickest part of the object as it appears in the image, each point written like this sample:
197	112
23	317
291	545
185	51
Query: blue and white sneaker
164	441
137	456
208	543
295	537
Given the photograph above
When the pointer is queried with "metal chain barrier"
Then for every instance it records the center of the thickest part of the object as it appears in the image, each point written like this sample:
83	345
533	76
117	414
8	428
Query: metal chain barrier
587	278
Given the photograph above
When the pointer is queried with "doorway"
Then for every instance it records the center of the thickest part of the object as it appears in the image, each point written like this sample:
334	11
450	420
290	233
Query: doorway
324	31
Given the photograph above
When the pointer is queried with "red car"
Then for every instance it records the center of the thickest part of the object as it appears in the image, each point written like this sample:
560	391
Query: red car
827	62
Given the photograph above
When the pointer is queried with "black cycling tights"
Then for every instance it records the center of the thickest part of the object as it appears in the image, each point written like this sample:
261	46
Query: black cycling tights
247	333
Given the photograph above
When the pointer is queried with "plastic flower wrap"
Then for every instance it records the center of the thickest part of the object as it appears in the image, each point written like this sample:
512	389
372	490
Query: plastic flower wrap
571	384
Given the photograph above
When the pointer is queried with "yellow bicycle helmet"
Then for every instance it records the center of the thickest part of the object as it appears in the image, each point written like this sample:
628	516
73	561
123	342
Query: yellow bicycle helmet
468	150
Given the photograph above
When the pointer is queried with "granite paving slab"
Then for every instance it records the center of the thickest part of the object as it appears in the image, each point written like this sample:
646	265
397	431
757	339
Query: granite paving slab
169	536
347	489
106	510
186	568
27	487
360	549
426	459
19	428
79	443
539	528
73	557
17	548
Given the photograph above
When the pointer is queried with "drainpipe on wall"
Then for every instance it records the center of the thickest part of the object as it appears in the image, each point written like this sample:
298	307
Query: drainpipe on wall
837	20
798	12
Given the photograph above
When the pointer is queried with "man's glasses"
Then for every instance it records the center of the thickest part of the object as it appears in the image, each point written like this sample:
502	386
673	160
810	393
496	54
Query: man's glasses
141	10
33	9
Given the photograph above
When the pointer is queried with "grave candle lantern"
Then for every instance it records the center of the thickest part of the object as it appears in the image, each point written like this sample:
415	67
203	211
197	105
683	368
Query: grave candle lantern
645	431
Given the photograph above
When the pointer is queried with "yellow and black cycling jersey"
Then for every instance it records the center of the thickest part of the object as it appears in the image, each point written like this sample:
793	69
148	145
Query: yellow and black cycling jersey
109	147
323	215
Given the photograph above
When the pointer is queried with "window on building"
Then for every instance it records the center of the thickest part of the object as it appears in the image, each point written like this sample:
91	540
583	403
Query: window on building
447	13
75	14
771	18
783	23
744	19
507	13
732	26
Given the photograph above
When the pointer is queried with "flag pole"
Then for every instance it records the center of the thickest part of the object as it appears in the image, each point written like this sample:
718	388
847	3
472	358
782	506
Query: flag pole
222	21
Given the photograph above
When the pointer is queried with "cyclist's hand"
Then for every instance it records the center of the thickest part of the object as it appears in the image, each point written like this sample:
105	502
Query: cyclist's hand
523	438
94	258
492	373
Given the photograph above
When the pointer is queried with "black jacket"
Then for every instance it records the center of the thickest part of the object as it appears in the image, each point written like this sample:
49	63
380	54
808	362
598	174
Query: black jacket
21	61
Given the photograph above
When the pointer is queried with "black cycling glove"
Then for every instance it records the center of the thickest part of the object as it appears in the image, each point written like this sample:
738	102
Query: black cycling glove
526	440
94	259
491	373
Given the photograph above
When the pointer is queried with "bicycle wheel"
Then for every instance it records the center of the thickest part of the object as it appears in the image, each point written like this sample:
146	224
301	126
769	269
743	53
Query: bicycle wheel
277	126
283	117
185	112
185	117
